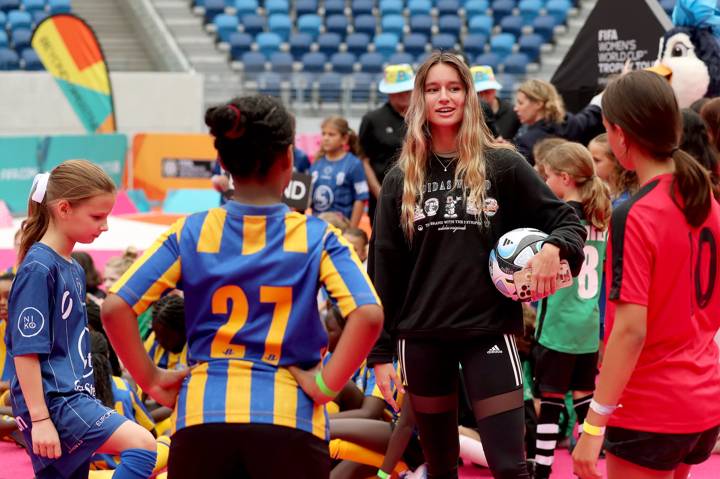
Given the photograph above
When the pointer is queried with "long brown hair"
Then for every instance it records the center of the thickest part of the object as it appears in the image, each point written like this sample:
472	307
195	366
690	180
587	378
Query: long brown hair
472	140
342	126
644	105
72	180
575	160
621	179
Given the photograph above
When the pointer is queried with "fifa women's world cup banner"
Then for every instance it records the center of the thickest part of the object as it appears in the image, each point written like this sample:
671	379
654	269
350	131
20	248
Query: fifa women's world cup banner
70	52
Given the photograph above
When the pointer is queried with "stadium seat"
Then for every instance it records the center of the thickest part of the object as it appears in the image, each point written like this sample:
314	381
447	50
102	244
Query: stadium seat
9	59
253	24
38	16
329	87
245	7
394	24
8	5
386	44
415	43
474	44
421	24
17	19
502	44
502	8
668	6
450	24
334	7
31	6
476	7
306	7
20	39
4	43
512	24
300	44
328	43
240	42
361	87
276	6
480	24
31	61
365	24
357	43
529	9
281	62
419	7
314	62
401	57
558	9
422	57
371	62
544	25
361	7
225	25
3	20
270	83
253	62
391	7
301	86
336	24
343	62
212	9
268	43
443	41
516	63
280	24
59	6
188	201
448	7
309	23
490	59
530	45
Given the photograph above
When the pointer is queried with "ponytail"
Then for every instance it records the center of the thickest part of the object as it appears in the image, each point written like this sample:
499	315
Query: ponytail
354	144
693	184
34	227
596	202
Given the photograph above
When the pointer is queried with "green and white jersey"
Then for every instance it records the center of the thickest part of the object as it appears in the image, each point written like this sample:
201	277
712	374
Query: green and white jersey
569	320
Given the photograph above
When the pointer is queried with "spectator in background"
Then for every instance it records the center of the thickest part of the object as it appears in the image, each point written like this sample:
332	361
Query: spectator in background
301	161
541	111
696	142
503	116
93	279
359	239
382	130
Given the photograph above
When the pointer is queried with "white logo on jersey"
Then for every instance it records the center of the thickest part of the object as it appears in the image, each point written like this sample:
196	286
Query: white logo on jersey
323	197
67	305
86	358
30	322
494	350
340	178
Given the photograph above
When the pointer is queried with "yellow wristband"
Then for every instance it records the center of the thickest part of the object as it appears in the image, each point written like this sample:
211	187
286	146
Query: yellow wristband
593	430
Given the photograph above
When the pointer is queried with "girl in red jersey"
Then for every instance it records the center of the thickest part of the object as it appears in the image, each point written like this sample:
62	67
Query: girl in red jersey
660	382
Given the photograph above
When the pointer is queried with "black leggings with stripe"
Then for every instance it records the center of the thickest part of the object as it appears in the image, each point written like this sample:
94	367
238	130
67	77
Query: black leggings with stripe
493	378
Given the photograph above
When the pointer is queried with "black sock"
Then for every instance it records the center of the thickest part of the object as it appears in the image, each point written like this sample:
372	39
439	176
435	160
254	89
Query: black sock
582	406
548	432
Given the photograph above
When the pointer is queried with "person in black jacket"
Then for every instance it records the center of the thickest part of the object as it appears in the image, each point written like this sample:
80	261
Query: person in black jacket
541	111
454	192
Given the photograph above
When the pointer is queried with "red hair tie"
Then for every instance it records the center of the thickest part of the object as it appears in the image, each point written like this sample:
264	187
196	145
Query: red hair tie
235	131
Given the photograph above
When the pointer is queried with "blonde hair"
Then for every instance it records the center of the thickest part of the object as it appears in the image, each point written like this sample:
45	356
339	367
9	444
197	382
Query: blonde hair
72	180
122	263
553	109
336	219
575	160
621	179
542	148
343	127
473	139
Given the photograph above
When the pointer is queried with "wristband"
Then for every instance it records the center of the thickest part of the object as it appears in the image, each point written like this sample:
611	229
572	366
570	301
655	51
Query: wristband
382	474
40	420
593	430
323	387
601	408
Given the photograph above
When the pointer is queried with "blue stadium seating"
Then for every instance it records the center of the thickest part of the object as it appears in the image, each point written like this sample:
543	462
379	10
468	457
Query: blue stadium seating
530	45
334	7
240	42
474	44
281	62
276	6
544	25
443	41
9	59
362	85
268	43
502	8
280	24
489	58
502	44
310	23
558	9
390	7
357	43
244	7
415	43
371	62
20	39
419	7
365	24
314	62
512	24
306	7
450	24
59	6
253	62
401	57
270	83
253	24
529	9
362	7
3	20
329	86
343	62
39	16
386	43
300	44
480	24
212	9
8	5
668	6
328	43
394	24
337	24
516	63
476	7
226	25
4	43
421	24
17	19
448	7
31	6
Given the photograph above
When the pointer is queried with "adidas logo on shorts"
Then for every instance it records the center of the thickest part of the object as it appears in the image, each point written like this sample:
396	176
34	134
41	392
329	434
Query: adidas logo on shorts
494	350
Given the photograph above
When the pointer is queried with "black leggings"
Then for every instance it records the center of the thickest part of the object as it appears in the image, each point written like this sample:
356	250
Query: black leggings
493	377
247	451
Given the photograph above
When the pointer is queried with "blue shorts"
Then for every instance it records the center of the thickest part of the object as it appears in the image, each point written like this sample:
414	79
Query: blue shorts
83	424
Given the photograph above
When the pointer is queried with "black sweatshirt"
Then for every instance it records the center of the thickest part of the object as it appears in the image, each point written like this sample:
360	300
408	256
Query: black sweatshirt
440	287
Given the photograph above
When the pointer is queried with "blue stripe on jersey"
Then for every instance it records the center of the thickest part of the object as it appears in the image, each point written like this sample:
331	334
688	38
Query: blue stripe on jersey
216	392
262	396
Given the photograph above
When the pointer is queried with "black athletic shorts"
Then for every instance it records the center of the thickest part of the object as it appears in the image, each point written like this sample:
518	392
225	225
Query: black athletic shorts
557	372
247	451
662	452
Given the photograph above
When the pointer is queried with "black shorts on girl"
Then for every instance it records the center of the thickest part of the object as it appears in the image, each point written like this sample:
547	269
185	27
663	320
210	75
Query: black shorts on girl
557	372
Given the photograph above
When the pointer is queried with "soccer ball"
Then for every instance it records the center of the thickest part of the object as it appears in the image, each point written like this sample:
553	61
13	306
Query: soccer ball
511	253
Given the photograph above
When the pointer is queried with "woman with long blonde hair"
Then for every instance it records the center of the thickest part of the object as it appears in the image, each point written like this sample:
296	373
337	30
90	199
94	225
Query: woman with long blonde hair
453	193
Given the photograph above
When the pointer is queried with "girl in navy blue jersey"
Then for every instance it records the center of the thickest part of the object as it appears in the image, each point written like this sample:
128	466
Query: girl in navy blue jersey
53	392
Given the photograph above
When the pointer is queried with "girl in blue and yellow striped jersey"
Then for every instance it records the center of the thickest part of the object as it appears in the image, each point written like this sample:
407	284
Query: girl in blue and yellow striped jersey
250	272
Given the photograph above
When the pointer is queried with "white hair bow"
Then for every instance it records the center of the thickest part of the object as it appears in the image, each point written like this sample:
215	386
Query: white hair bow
40	184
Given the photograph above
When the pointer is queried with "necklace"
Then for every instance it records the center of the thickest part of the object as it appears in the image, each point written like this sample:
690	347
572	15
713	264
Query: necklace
445	166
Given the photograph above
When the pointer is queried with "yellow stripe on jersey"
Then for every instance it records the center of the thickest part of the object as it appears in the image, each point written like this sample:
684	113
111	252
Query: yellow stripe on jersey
285	403
237	392
253	234
281	296
196	395
319	421
295	233
212	231
168	280
333	281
